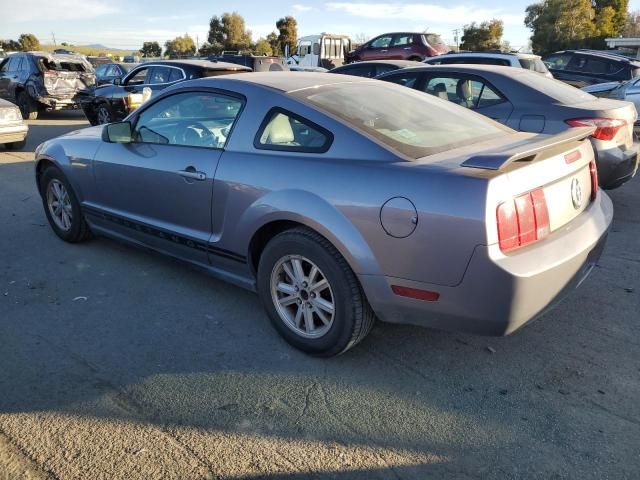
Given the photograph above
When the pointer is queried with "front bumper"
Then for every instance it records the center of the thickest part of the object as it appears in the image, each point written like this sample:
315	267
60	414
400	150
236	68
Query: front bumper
616	165
500	293
13	133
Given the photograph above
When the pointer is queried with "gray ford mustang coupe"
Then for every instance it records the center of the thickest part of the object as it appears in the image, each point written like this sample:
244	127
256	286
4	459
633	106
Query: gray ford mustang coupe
339	199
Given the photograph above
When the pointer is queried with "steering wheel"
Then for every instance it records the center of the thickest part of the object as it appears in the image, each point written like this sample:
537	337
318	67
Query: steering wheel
191	135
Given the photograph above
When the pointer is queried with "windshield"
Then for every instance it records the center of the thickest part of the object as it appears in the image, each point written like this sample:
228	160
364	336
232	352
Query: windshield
555	89
410	122
535	64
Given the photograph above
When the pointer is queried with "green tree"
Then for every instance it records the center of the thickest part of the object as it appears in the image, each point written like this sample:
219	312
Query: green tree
272	38
227	32
288	33
180	47
619	17
263	47
486	36
10	45
151	49
560	24
28	42
216	37
237	37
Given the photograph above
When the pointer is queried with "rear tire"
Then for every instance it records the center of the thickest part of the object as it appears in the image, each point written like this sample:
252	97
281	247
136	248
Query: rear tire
28	107
338	311
62	207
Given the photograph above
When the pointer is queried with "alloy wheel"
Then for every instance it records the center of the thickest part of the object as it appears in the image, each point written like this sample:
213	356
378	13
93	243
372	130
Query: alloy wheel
59	204
103	115
302	296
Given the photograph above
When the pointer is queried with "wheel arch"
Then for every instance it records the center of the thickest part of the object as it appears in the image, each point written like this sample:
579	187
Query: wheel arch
314	213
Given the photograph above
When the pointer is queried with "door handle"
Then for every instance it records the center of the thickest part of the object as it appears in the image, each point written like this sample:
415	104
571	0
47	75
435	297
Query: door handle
383	51
407	48
192	174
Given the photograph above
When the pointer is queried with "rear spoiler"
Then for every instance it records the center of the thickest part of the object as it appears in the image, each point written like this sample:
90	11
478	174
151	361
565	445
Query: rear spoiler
528	151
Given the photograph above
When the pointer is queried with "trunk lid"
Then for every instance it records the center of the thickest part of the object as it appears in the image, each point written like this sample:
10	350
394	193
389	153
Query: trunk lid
66	75
610	109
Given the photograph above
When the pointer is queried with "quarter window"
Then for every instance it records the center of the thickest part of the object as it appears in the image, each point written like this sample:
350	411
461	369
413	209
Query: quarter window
193	119
463	91
285	131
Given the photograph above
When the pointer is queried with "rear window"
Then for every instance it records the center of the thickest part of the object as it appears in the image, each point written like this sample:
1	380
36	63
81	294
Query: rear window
60	65
217	73
405	120
534	64
433	39
555	89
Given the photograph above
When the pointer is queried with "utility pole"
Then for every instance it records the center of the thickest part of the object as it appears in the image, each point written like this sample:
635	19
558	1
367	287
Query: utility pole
197	44
456	37
53	36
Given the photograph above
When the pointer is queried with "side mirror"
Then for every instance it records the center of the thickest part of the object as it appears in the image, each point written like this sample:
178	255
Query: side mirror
117	81
119	132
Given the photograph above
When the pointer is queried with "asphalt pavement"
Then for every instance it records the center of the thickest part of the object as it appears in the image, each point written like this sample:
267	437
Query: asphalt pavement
117	363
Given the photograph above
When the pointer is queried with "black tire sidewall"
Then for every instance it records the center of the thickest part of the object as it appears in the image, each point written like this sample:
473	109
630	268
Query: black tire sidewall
26	105
103	107
75	233
340	334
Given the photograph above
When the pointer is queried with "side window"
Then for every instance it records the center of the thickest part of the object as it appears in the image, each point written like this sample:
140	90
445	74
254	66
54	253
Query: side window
286	131
463	91
159	75
402	40
598	65
558	61
101	71
380	69
357	70
381	42
304	49
316	48
113	71
577	63
138	77
407	80
175	75
194	119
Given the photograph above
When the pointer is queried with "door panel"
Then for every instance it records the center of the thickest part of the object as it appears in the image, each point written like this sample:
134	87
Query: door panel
158	188
142	184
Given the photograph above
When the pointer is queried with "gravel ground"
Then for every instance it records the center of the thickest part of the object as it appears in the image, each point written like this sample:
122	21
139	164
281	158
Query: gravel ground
121	364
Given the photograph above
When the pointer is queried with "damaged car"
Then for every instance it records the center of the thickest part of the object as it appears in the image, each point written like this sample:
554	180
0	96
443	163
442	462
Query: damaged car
112	103
39	81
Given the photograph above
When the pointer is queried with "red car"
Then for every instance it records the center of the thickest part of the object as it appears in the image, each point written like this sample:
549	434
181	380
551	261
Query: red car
399	46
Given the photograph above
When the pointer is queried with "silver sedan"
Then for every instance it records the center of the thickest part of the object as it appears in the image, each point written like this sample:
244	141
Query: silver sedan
339	200
13	130
530	102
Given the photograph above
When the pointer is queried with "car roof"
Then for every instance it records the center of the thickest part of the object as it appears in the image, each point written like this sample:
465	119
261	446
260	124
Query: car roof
467	68
591	53
207	64
488	55
287	81
398	63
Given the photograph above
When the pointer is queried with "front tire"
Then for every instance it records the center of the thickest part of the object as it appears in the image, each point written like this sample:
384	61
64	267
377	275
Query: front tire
62	207
103	114
311	295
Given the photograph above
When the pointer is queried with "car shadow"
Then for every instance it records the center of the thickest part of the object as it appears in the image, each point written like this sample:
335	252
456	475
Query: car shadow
106	330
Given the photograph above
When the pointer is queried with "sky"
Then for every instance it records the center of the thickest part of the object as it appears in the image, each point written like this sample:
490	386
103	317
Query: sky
127	23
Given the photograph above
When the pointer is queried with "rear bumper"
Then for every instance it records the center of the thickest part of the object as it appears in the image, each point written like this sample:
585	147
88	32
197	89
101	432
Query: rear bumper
13	133
62	102
616	165
498	294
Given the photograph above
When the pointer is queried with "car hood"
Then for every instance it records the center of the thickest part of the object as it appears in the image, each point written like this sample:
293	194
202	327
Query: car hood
85	133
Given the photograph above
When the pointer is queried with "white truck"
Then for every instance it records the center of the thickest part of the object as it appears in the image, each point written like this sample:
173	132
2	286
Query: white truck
319	52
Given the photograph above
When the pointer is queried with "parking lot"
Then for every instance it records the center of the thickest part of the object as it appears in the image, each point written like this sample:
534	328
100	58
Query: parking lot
119	363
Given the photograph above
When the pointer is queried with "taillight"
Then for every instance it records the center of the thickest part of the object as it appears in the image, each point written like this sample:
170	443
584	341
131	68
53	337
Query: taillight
593	170
523	220
606	128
